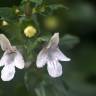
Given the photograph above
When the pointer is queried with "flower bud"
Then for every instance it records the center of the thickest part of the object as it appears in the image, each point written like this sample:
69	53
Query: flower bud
30	31
4	23
17	11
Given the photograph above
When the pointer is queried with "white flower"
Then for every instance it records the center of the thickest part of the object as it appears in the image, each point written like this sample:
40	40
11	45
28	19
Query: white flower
51	55
11	58
10	61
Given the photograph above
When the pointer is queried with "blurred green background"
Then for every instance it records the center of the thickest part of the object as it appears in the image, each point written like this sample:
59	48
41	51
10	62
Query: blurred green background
77	26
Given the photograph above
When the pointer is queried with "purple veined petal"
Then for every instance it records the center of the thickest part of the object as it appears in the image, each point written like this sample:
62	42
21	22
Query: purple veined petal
7	58
58	55
54	68
8	72
41	58
13	49
54	41
18	60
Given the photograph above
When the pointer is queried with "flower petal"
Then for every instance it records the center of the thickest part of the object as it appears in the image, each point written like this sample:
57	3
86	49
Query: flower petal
19	61
53	43
54	69
4	59
8	72
57	54
41	58
5	43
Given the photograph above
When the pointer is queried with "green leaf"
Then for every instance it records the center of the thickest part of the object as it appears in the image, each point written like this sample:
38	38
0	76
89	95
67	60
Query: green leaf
6	13
13	31
37	1
69	40
56	6
34	1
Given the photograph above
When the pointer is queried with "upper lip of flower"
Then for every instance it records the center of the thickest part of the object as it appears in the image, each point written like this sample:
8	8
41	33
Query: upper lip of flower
53	41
